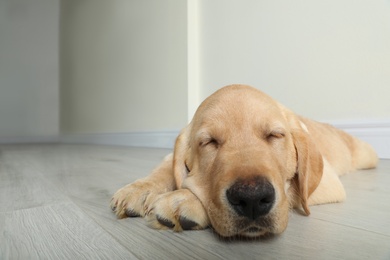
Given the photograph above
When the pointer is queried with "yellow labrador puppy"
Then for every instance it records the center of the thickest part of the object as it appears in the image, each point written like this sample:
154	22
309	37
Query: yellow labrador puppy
240	165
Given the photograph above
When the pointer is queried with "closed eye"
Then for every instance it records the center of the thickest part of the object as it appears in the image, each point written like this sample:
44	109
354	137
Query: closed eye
275	135
208	142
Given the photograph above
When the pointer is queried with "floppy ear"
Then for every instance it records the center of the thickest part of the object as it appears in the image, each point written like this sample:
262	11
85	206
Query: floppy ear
181	150
309	166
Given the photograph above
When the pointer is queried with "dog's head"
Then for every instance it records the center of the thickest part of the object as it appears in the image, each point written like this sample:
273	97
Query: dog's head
247	159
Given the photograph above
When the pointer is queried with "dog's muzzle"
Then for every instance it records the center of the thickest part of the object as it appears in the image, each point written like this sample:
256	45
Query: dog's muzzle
251	198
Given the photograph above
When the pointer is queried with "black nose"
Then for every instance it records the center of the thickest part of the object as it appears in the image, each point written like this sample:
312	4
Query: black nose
251	198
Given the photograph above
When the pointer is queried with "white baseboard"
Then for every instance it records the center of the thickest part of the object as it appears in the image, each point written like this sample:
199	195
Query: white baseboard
376	133
161	139
29	139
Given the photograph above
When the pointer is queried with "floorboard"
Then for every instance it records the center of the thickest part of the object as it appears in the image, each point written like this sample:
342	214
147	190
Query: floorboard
58	231
54	204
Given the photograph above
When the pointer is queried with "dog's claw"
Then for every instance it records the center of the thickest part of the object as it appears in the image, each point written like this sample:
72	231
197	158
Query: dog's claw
165	222
113	205
187	224
131	213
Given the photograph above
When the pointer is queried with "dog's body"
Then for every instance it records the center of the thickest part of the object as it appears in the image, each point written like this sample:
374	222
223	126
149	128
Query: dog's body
241	164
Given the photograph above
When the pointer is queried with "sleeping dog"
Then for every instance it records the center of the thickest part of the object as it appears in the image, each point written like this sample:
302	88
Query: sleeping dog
240	165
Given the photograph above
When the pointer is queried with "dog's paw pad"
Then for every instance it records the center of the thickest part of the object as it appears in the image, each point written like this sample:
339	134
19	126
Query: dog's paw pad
187	224
165	222
131	213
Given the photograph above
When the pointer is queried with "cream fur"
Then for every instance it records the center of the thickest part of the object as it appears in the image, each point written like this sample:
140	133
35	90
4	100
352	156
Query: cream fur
240	133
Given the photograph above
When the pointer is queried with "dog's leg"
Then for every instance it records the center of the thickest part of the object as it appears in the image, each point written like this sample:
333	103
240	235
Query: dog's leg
130	201
330	189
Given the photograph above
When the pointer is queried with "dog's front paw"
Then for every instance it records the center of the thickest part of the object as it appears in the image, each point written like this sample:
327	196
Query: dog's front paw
130	201
178	210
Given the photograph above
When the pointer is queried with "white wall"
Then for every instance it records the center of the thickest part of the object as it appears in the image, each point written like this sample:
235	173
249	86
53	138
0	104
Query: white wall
328	60
141	67
123	65
29	102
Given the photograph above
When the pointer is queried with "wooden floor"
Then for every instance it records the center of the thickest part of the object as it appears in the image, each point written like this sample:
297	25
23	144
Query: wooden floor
54	204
